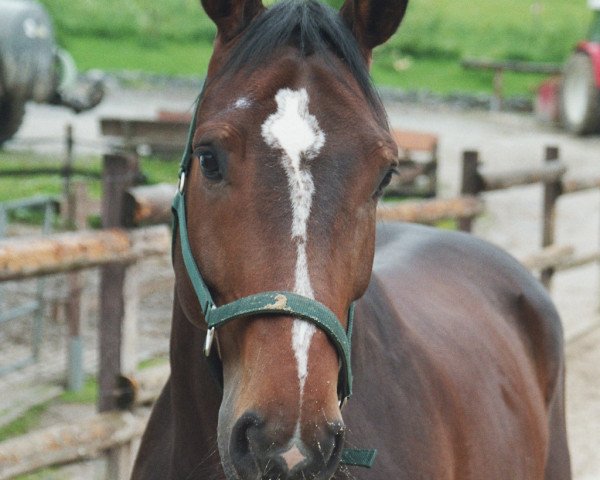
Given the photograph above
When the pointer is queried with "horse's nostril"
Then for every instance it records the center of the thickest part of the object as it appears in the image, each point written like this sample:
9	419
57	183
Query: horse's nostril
338	431
242	456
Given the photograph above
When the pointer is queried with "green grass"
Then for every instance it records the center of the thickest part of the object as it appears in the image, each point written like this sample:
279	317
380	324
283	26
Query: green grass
29	186
87	395
152	362
28	421
445	76
175	37
513	29
45	474
12	188
166	57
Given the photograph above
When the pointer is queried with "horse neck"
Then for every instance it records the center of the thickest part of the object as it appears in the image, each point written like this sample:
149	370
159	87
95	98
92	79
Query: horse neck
195	395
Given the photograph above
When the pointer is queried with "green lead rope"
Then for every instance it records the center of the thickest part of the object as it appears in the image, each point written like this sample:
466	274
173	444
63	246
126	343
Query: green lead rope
282	302
358	457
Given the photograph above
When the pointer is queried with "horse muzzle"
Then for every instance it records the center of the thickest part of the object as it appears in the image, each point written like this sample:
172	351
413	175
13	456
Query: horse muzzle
257	453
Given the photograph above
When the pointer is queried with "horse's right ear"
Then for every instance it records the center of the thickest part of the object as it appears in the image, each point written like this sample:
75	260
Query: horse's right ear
231	16
373	21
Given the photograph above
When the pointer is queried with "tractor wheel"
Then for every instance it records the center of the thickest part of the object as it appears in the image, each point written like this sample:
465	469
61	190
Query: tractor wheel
11	115
580	98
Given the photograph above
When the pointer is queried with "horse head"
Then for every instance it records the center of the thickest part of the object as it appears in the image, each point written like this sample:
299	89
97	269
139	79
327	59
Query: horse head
289	153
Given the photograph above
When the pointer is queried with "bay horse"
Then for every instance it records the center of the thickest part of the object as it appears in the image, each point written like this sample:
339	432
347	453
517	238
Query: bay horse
456	351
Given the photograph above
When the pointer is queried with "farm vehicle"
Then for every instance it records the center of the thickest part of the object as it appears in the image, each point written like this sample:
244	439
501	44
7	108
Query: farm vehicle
580	92
34	68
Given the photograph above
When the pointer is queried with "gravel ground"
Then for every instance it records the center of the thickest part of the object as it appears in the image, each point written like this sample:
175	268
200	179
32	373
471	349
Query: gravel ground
512	220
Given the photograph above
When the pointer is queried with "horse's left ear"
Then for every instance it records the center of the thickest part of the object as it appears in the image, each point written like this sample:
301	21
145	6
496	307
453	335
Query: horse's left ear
373	21
231	16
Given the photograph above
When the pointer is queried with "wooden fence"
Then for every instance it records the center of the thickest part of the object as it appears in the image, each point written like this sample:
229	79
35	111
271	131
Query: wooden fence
551	175
165	134
501	66
115	249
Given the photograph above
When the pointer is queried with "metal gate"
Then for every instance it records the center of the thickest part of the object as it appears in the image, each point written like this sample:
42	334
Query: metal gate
32	310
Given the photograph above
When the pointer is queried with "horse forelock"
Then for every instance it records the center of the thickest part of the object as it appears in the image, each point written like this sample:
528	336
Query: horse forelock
312	29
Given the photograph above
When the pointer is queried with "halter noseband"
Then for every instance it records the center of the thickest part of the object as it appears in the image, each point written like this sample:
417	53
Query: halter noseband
267	303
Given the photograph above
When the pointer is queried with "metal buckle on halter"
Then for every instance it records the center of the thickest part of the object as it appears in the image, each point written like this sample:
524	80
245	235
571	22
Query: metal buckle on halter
181	182
210	336
343	402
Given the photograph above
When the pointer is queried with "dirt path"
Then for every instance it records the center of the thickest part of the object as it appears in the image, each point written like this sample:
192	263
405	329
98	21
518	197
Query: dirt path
506	141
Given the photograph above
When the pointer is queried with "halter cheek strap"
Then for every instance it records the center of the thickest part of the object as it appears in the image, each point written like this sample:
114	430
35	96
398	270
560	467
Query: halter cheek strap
266	303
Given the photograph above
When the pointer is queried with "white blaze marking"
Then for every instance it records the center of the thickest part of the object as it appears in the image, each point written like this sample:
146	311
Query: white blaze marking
293	457
296	132
242	103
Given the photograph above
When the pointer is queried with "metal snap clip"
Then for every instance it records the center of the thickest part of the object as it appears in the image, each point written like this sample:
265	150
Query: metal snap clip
210	336
181	182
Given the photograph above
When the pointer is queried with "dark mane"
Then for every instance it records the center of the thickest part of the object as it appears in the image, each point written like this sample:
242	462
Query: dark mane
312	28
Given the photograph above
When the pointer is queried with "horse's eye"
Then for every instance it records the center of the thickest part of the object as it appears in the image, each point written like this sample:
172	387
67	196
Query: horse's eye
210	165
385	181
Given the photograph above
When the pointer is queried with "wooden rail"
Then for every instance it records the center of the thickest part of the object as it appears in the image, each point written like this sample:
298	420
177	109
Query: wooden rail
161	136
499	67
552	176
65	252
552	172
152	204
87	438
69	442
429	212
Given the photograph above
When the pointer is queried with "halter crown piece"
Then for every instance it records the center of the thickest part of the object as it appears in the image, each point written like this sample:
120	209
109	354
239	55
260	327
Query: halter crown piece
267	303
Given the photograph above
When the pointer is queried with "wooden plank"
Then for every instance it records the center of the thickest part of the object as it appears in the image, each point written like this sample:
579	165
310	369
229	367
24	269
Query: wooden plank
471	183
430	211
546	174
578	261
144	387
160	135
69	442
552	191
149	205
512	65
549	257
118	303
575	185
22	258
411	141
49	171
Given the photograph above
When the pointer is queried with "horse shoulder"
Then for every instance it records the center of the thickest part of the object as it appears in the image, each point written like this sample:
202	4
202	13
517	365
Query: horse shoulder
488	280
474	346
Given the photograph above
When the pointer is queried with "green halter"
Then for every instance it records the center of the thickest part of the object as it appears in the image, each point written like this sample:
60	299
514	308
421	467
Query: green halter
267	303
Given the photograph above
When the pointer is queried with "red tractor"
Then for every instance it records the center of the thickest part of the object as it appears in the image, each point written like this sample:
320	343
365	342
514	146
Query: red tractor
580	92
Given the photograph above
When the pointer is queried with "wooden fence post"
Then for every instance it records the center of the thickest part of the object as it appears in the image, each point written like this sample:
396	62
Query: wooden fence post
67	172
552	191
471	183
117	304
75	359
